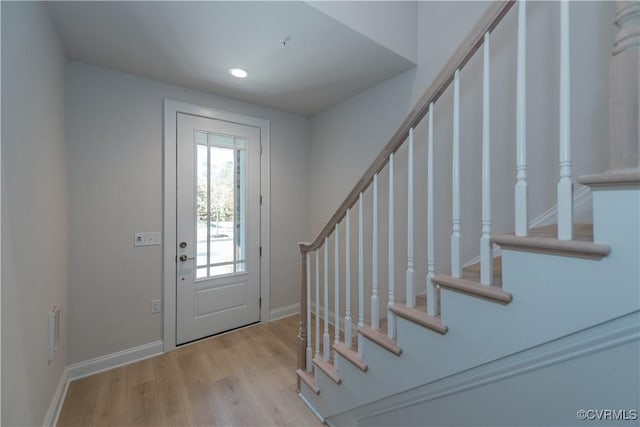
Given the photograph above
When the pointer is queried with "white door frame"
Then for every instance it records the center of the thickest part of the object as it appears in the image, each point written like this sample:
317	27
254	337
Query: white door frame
169	242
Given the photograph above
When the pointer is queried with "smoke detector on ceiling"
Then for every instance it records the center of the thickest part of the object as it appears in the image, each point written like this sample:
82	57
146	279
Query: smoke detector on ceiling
285	42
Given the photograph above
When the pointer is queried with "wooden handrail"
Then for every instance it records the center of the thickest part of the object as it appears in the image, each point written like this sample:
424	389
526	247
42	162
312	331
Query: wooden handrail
461	56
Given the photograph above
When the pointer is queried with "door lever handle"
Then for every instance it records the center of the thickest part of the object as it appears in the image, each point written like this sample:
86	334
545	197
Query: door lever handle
184	258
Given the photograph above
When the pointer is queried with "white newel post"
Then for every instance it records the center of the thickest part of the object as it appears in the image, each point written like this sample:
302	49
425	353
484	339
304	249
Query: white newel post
565	185
624	89
411	287
521	190
486	256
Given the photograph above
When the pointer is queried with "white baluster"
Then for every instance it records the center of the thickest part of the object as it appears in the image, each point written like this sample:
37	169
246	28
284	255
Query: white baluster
347	283
326	352
521	216
411	286
317	303
360	274
391	317
456	268
565	185
486	257
432	303
375	303
309	350
336	291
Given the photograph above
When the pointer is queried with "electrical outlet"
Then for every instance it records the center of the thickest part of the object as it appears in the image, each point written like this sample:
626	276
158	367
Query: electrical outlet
155	306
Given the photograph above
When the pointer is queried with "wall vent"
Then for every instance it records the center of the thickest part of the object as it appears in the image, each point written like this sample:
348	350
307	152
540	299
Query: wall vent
54	330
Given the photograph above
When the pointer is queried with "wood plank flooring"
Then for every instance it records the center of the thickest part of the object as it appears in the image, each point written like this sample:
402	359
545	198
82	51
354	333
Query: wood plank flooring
243	378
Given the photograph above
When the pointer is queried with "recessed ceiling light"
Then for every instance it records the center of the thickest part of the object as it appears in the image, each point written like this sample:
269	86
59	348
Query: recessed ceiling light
238	72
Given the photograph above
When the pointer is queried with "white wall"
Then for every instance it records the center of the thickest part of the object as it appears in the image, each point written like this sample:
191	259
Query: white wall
392	24
34	210
115	176
347	137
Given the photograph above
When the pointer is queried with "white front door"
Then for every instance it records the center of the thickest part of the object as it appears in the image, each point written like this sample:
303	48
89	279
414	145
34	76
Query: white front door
218	226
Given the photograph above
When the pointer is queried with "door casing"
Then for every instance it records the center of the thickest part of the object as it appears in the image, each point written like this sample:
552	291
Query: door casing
169	243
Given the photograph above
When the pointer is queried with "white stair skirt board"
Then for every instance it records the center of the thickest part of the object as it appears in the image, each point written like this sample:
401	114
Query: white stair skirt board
51	417
286	311
114	360
572	349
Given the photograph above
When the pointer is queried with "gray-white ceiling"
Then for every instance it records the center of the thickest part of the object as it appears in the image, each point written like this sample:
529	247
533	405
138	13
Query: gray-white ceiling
193	44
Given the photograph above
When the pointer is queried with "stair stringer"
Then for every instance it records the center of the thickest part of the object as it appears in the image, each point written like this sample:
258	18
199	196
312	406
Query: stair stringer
554	296
543	385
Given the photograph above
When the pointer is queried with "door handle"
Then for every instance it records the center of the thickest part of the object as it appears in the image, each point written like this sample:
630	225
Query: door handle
184	258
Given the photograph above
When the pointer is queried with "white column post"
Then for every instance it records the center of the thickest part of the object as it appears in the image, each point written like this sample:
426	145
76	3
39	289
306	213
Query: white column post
432	302
521	189
486	257
565	185
456	267
391	317
375	303
411	286
624	89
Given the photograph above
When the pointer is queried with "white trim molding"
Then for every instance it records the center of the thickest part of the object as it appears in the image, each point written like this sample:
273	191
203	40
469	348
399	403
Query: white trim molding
114	360
171	109
51	417
286	311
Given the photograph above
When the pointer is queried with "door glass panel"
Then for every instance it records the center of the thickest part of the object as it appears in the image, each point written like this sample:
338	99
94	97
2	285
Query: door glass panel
220	204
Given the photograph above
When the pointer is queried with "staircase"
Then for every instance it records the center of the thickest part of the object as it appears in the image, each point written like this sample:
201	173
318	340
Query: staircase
544	324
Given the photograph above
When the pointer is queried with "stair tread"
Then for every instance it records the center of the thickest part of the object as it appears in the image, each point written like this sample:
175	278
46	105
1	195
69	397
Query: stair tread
472	272
309	380
473	287
544	240
328	368
419	316
352	356
581	231
380	337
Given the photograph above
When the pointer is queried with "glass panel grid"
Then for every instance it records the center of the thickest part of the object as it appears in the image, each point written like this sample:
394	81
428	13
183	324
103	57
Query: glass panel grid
220	204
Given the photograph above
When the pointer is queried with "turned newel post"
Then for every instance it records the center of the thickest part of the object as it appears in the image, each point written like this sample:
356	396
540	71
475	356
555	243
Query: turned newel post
302	327
624	89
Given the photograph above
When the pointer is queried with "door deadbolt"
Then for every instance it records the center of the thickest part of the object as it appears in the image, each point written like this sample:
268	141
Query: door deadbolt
183	245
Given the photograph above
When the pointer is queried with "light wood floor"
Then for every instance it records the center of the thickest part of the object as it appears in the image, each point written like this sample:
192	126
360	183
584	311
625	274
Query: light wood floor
243	378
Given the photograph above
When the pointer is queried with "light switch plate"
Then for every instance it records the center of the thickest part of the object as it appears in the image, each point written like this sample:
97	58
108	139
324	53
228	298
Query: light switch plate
146	239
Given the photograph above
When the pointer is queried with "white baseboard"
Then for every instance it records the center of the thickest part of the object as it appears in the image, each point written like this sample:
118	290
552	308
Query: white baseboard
113	360
51	417
288	310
